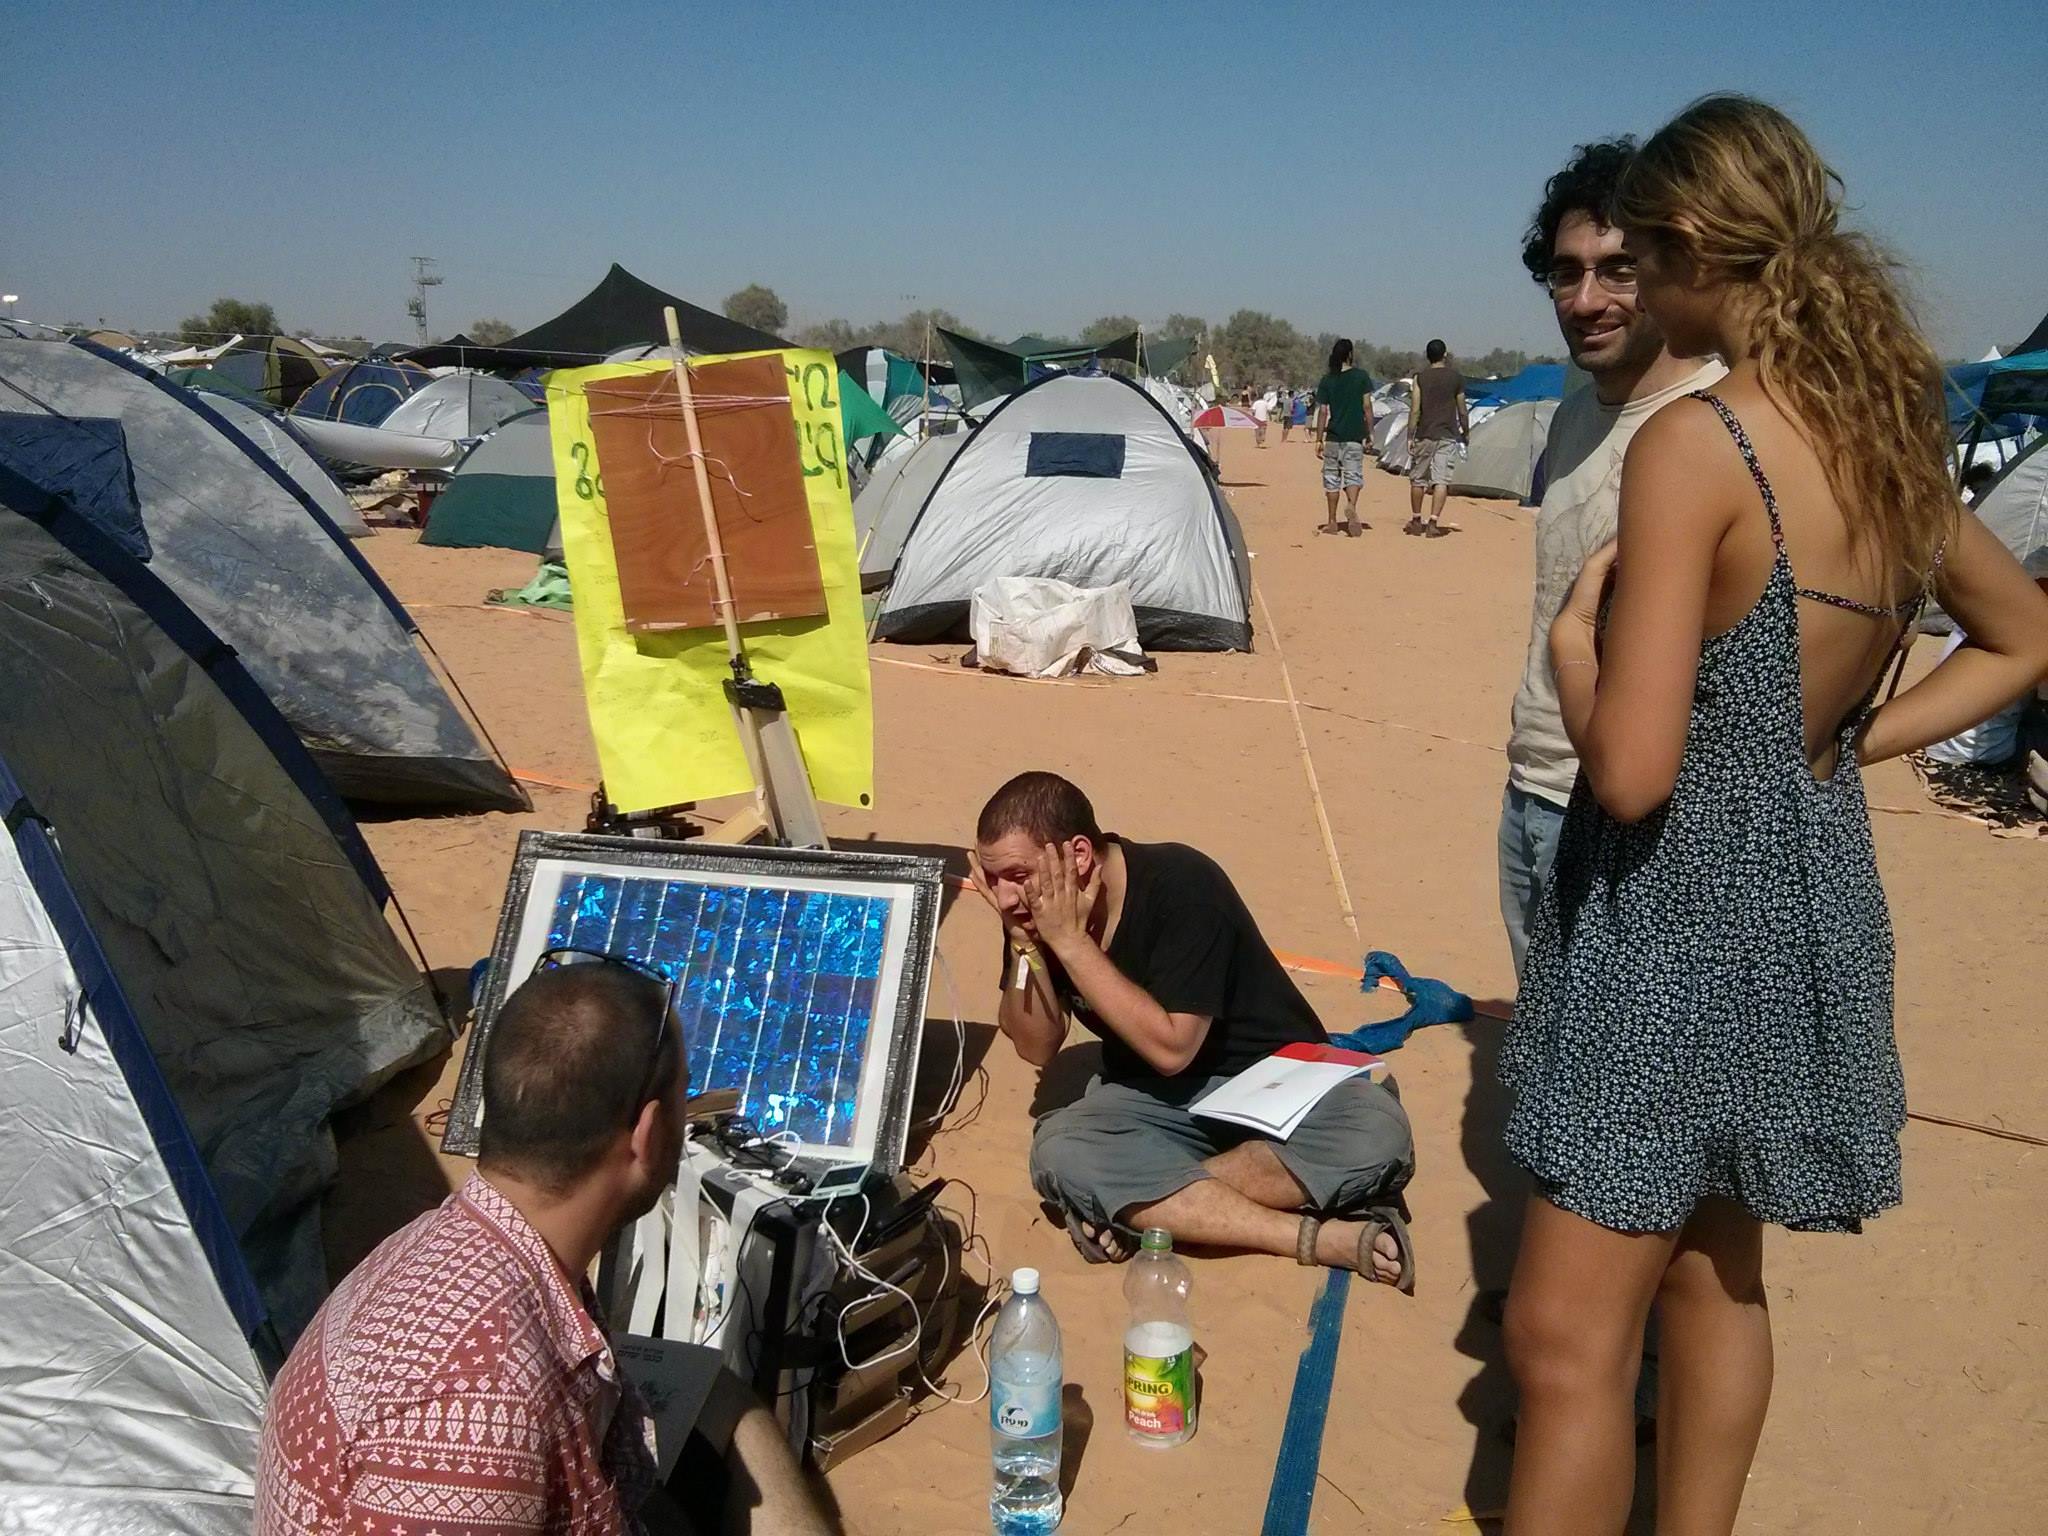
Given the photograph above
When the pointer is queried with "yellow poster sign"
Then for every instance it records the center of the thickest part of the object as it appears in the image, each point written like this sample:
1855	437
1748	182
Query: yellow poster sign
664	731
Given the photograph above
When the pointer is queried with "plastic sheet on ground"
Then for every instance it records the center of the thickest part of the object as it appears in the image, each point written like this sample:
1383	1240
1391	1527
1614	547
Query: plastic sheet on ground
1035	626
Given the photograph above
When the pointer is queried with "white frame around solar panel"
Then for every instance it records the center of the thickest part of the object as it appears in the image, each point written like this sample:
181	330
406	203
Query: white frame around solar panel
546	864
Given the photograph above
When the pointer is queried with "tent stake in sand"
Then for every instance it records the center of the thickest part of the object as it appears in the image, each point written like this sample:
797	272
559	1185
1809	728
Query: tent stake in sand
784	810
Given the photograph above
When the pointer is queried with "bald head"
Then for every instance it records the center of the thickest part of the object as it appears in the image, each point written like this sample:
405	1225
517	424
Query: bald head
568	1070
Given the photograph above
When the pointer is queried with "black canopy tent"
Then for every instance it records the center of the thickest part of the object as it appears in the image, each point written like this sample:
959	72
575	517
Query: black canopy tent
621	311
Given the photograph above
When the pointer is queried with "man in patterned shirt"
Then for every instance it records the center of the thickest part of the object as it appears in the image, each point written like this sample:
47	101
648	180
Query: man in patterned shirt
459	1382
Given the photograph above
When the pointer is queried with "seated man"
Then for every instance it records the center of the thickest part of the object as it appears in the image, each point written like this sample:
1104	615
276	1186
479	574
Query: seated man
460	1380
1151	947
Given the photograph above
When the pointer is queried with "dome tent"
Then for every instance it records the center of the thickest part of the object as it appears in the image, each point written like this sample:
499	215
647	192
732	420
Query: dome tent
888	504
502	494
363	392
260	564
276	369
459	406
234	920
1087	480
268	433
1505	457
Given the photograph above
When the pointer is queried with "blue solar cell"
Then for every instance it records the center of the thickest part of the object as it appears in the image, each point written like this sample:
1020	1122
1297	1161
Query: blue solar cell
776	989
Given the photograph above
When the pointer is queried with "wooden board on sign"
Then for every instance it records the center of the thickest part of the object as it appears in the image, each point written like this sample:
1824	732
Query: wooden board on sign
748	431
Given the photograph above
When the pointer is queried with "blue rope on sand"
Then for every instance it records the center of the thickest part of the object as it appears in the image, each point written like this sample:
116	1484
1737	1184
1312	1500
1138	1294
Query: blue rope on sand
1301	1441
1429	1002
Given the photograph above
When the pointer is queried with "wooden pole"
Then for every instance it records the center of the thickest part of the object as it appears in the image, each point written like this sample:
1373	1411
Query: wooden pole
691	435
927	378
765	804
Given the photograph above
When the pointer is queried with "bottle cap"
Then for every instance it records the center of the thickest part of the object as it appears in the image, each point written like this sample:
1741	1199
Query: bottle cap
1157	1240
1024	1282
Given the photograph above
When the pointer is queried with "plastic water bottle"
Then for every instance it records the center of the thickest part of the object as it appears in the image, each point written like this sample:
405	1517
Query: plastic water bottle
1159	1346
1024	1412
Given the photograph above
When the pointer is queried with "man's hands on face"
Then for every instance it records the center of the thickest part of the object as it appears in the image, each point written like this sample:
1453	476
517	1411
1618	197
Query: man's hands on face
1059	901
1019	937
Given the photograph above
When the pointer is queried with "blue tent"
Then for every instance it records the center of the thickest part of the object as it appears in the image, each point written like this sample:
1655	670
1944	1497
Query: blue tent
362	393
2001	397
1538	381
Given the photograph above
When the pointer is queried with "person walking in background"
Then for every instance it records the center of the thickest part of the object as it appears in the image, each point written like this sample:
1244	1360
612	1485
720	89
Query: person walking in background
1341	421
1703	1042
1262	413
1437	430
1577	256
1298	411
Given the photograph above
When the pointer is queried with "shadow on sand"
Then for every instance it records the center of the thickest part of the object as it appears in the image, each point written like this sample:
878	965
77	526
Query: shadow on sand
1493	1228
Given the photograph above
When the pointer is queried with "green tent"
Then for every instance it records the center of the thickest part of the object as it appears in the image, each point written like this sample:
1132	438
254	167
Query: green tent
212	383
502	492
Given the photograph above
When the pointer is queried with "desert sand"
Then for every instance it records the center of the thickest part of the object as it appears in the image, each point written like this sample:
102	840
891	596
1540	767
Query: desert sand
1912	1378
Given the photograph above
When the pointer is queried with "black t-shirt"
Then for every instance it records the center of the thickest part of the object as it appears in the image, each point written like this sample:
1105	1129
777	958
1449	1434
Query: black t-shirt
1186	937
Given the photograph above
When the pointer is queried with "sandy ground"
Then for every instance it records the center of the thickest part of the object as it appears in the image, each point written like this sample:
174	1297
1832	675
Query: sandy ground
1912	1382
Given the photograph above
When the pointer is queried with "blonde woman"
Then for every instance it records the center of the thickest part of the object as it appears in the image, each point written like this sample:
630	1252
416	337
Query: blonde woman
1703	1044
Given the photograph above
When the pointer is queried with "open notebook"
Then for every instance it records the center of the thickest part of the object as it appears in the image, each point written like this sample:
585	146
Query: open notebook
1275	1095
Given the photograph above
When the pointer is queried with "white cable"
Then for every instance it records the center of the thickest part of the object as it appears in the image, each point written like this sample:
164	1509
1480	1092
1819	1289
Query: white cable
959	1082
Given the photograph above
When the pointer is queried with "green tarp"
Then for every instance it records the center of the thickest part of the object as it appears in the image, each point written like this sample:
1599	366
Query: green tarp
859	415
983	369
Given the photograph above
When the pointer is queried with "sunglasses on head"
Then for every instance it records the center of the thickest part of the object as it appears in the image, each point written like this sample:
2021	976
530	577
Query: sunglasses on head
558	959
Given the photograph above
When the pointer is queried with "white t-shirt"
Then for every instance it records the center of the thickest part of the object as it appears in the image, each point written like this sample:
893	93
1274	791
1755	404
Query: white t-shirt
1262	409
1581	507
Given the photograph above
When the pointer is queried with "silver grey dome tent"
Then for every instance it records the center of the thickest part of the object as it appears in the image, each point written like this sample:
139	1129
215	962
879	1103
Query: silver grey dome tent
195	973
1506	453
1085	479
274	440
889	503
262	565
169	1433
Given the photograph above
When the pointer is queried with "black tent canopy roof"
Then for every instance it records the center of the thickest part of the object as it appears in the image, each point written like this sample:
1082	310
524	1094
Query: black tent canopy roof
621	311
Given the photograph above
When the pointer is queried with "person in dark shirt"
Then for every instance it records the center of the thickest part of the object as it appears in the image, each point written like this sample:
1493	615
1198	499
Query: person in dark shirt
1438	429
1150	946
1344	410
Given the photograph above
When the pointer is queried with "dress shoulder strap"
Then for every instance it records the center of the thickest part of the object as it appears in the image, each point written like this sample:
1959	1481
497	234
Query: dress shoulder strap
1748	452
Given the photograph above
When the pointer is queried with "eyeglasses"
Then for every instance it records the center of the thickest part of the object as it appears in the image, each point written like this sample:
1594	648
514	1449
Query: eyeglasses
1617	276
556	959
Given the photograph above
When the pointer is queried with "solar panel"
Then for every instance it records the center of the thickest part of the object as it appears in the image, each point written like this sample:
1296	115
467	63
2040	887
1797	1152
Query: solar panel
800	976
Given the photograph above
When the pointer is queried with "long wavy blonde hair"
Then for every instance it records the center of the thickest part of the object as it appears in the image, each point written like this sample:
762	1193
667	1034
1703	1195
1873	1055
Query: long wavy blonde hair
1742	192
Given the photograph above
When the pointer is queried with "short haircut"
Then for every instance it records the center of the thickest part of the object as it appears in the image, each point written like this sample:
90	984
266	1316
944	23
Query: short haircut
1585	185
568	1058
1046	806
1435	351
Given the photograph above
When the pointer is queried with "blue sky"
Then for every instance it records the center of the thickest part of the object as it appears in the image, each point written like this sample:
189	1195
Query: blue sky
1028	166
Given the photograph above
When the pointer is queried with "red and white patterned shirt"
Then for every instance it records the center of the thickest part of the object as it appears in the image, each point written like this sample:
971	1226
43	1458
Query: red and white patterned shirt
456	1384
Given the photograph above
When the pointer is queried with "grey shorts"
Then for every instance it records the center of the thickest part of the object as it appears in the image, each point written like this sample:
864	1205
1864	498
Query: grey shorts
1343	465
1128	1144
1433	460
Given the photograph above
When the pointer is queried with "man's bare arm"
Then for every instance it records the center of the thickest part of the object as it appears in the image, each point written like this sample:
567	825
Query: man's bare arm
1166	1041
1030	1012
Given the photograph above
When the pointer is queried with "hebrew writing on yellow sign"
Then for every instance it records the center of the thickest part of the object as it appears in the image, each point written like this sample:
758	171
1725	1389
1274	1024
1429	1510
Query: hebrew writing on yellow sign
658	711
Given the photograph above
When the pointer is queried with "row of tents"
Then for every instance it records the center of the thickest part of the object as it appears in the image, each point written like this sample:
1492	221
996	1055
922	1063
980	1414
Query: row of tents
197	969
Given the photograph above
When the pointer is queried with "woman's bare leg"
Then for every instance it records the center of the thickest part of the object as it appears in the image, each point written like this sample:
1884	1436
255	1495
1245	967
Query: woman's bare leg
1716	1364
1575	1314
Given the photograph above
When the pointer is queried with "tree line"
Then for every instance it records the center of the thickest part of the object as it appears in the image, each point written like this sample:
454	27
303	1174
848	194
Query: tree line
1252	348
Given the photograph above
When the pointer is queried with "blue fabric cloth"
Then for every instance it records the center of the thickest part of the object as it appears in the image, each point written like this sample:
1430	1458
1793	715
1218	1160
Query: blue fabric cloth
1089	455
1429	1002
83	461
